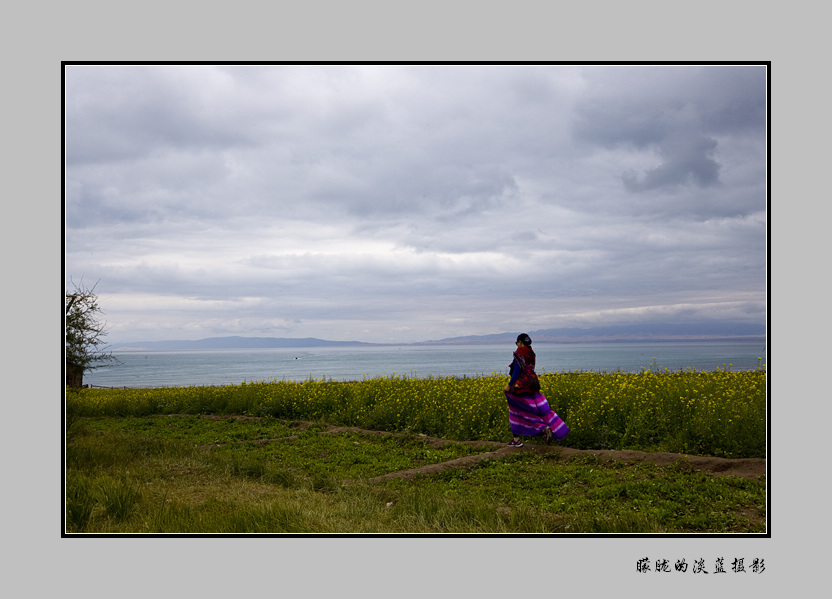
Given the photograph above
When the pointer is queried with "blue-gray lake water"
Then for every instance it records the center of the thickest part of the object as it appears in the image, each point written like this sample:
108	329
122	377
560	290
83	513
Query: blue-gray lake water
183	368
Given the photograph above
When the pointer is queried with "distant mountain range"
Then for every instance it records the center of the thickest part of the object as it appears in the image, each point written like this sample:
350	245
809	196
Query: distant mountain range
641	332
709	331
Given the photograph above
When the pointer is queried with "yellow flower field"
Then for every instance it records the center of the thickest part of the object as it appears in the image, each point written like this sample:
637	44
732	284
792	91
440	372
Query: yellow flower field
720	413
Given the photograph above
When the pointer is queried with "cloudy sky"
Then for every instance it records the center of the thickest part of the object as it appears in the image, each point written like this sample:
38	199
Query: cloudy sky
398	203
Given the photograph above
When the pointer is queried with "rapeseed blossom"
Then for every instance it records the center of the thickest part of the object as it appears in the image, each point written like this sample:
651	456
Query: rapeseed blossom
717	413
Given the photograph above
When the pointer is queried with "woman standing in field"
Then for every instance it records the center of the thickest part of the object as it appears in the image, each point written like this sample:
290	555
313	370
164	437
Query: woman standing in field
529	413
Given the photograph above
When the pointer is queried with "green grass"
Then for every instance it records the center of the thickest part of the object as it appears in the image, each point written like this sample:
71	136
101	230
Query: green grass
202	474
588	495
236	459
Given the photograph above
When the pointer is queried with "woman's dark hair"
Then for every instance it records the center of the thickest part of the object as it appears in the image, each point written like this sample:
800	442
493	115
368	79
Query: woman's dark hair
524	339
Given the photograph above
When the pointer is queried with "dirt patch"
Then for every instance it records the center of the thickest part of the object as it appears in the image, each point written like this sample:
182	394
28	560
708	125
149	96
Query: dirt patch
745	468
742	467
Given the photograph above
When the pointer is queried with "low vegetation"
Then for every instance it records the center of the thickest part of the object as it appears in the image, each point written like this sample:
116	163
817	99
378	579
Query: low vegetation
718	413
242	459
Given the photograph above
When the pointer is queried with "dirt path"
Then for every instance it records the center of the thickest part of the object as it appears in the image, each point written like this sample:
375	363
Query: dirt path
746	467
743	467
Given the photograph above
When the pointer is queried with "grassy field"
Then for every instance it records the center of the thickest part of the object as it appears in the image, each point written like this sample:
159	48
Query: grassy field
236	459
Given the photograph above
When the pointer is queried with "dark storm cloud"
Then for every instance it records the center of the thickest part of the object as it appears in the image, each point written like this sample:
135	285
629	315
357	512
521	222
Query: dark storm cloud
686	158
679	114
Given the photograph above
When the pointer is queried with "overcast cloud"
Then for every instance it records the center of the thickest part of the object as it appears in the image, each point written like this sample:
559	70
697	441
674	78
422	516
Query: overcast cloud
404	203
